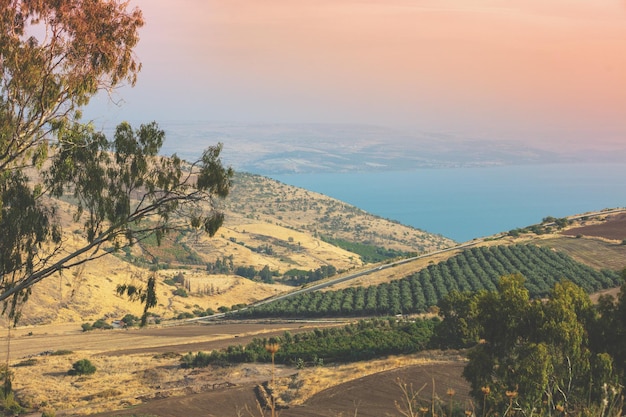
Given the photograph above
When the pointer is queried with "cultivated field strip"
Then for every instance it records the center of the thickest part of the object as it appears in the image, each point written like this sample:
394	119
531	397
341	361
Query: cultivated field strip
473	269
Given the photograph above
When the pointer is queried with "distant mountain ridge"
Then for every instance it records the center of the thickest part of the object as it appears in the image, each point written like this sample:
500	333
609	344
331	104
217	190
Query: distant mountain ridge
305	148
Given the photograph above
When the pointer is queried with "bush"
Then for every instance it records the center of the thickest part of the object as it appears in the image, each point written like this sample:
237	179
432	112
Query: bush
9	404
131	320
185	315
82	367
181	292
101	324
86	327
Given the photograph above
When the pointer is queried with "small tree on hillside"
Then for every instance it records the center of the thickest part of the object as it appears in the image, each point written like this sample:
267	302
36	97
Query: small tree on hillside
82	367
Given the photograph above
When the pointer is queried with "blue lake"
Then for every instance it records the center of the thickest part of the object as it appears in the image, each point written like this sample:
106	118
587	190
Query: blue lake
465	203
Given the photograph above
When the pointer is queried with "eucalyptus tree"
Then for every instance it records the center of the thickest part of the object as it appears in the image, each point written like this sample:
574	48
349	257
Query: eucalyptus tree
54	57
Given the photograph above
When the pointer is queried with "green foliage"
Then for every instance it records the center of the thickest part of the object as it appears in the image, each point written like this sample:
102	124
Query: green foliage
123	190
533	355
474	269
170	251
368	253
147	296
98	324
547	226
355	342
459	328
181	292
266	275
9	404
221	266
131	320
301	277
82	367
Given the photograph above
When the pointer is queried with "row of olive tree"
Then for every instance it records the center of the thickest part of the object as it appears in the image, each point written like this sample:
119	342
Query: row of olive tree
471	270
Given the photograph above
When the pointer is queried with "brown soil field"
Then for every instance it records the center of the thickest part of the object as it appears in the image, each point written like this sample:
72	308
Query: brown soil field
376	395
369	396
596	252
613	228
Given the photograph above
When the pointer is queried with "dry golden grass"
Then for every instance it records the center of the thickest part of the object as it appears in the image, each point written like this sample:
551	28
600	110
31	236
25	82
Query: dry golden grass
293	249
116	383
260	199
122	381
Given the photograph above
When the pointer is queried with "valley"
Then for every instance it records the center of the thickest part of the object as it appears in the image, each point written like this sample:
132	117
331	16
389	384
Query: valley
146	362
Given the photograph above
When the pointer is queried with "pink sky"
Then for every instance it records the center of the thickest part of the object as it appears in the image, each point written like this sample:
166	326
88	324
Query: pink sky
545	69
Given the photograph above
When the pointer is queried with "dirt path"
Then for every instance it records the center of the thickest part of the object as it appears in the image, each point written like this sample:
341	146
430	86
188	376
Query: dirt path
28	342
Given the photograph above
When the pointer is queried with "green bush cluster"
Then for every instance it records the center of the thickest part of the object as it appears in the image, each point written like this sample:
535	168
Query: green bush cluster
368	253
98	324
364	340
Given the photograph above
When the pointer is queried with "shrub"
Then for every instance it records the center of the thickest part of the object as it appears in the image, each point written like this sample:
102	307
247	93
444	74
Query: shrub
10	404
131	320
82	367
101	324
185	315
27	362
61	352
181	292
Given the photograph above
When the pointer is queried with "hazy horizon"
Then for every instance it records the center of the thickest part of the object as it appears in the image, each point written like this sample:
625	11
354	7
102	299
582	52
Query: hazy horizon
549	71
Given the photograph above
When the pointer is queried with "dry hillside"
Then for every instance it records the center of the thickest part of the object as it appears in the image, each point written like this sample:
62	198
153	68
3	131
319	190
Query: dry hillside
260	213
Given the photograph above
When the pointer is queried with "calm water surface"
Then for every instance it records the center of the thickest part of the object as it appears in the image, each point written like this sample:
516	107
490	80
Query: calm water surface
465	203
